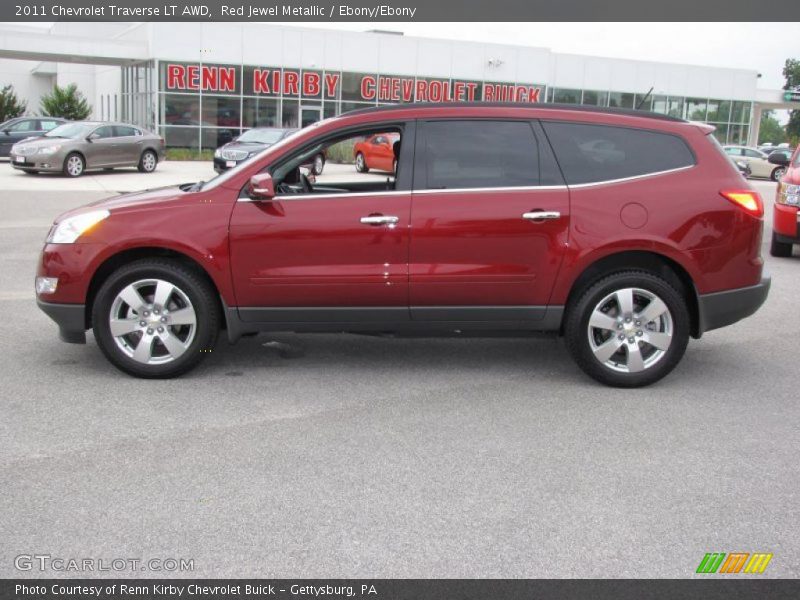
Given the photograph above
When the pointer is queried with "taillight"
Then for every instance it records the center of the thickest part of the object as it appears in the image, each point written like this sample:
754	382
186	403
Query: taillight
748	200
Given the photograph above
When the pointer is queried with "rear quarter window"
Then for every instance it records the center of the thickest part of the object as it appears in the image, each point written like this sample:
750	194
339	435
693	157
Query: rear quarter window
595	153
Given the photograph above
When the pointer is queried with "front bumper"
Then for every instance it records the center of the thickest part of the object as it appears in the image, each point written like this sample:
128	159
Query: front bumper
727	307
38	162
785	223
70	318
221	165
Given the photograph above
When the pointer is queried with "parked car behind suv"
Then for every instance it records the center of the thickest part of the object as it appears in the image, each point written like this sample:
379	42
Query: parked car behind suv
80	146
253	141
786	219
17	129
499	220
755	159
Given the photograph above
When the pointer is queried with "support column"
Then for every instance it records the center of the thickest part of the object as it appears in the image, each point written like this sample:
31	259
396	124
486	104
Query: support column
755	125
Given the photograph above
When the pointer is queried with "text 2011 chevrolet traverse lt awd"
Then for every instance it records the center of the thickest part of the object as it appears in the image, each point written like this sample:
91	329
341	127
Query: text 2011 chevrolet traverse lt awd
625	232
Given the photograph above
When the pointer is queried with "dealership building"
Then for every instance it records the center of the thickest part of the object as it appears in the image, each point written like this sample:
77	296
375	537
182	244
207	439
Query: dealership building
201	84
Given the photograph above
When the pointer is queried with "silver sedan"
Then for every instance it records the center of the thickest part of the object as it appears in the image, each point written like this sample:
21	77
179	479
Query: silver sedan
74	148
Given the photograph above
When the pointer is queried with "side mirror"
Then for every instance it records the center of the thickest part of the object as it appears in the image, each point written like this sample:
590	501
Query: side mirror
261	187
92	137
778	158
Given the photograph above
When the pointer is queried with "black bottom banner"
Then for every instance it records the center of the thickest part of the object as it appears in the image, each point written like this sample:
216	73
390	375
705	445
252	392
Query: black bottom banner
397	589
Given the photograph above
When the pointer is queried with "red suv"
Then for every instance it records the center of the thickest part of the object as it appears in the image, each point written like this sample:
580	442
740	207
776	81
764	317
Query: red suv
625	232
785	229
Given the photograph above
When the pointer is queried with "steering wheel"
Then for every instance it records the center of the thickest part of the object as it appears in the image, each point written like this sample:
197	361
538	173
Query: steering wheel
307	189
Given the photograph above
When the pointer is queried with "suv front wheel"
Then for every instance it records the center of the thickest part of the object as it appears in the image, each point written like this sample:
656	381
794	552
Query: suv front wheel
155	318
629	329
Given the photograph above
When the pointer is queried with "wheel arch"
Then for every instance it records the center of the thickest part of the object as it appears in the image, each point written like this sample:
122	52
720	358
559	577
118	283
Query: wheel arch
79	153
117	260
643	260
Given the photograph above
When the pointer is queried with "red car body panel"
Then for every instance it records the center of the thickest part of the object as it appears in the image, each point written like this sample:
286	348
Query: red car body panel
466	248
302	253
467	251
784	220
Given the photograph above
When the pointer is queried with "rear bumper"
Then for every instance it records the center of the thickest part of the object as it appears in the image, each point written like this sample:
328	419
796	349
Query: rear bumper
725	308
70	318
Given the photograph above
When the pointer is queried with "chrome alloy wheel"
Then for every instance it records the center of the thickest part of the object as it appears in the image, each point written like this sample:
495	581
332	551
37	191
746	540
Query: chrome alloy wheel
360	162
630	330
75	165
152	321
149	162
319	164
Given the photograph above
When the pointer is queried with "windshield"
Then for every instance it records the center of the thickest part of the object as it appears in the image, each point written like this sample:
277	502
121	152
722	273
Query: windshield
262	136
70	130
225	175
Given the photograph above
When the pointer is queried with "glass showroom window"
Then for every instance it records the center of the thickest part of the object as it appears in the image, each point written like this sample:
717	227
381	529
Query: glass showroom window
565	96
180	109
696	109
595	98
260	112
660	104
620	100
221	111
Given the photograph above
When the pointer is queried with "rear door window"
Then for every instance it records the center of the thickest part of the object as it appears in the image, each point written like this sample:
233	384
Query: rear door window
479	154
124	131
595	153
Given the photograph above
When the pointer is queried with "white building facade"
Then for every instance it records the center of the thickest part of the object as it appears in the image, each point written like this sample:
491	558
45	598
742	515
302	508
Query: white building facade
200	84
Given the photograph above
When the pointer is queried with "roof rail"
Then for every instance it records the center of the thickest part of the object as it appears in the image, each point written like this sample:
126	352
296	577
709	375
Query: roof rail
538	105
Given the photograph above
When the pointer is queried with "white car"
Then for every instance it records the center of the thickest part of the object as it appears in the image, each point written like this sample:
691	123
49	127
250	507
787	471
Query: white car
756	160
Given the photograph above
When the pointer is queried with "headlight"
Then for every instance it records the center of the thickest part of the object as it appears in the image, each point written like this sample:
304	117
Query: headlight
788	194
217	153
48	149
71	228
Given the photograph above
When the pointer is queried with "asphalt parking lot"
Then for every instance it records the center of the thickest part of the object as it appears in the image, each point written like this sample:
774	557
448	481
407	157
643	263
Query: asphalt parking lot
352	456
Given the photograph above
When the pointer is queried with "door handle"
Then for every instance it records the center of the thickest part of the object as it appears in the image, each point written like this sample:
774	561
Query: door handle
379	220
542	215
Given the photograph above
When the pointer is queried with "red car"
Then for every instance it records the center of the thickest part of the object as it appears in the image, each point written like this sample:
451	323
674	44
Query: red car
625	232
785	230
376	152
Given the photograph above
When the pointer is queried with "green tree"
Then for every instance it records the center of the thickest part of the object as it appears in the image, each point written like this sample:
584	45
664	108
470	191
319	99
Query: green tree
791	70
770	130
10	106
66	102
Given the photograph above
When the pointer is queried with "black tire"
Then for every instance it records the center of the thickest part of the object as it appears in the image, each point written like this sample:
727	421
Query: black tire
148	162
318	164
68	169
576	329
201	295
777	173
779	249
361	163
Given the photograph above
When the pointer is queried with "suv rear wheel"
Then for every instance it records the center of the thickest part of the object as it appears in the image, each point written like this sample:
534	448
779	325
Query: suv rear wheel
629	329
155	318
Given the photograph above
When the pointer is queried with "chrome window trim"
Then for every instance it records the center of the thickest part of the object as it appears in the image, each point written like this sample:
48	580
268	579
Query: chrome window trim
529	188
328	196
632	178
